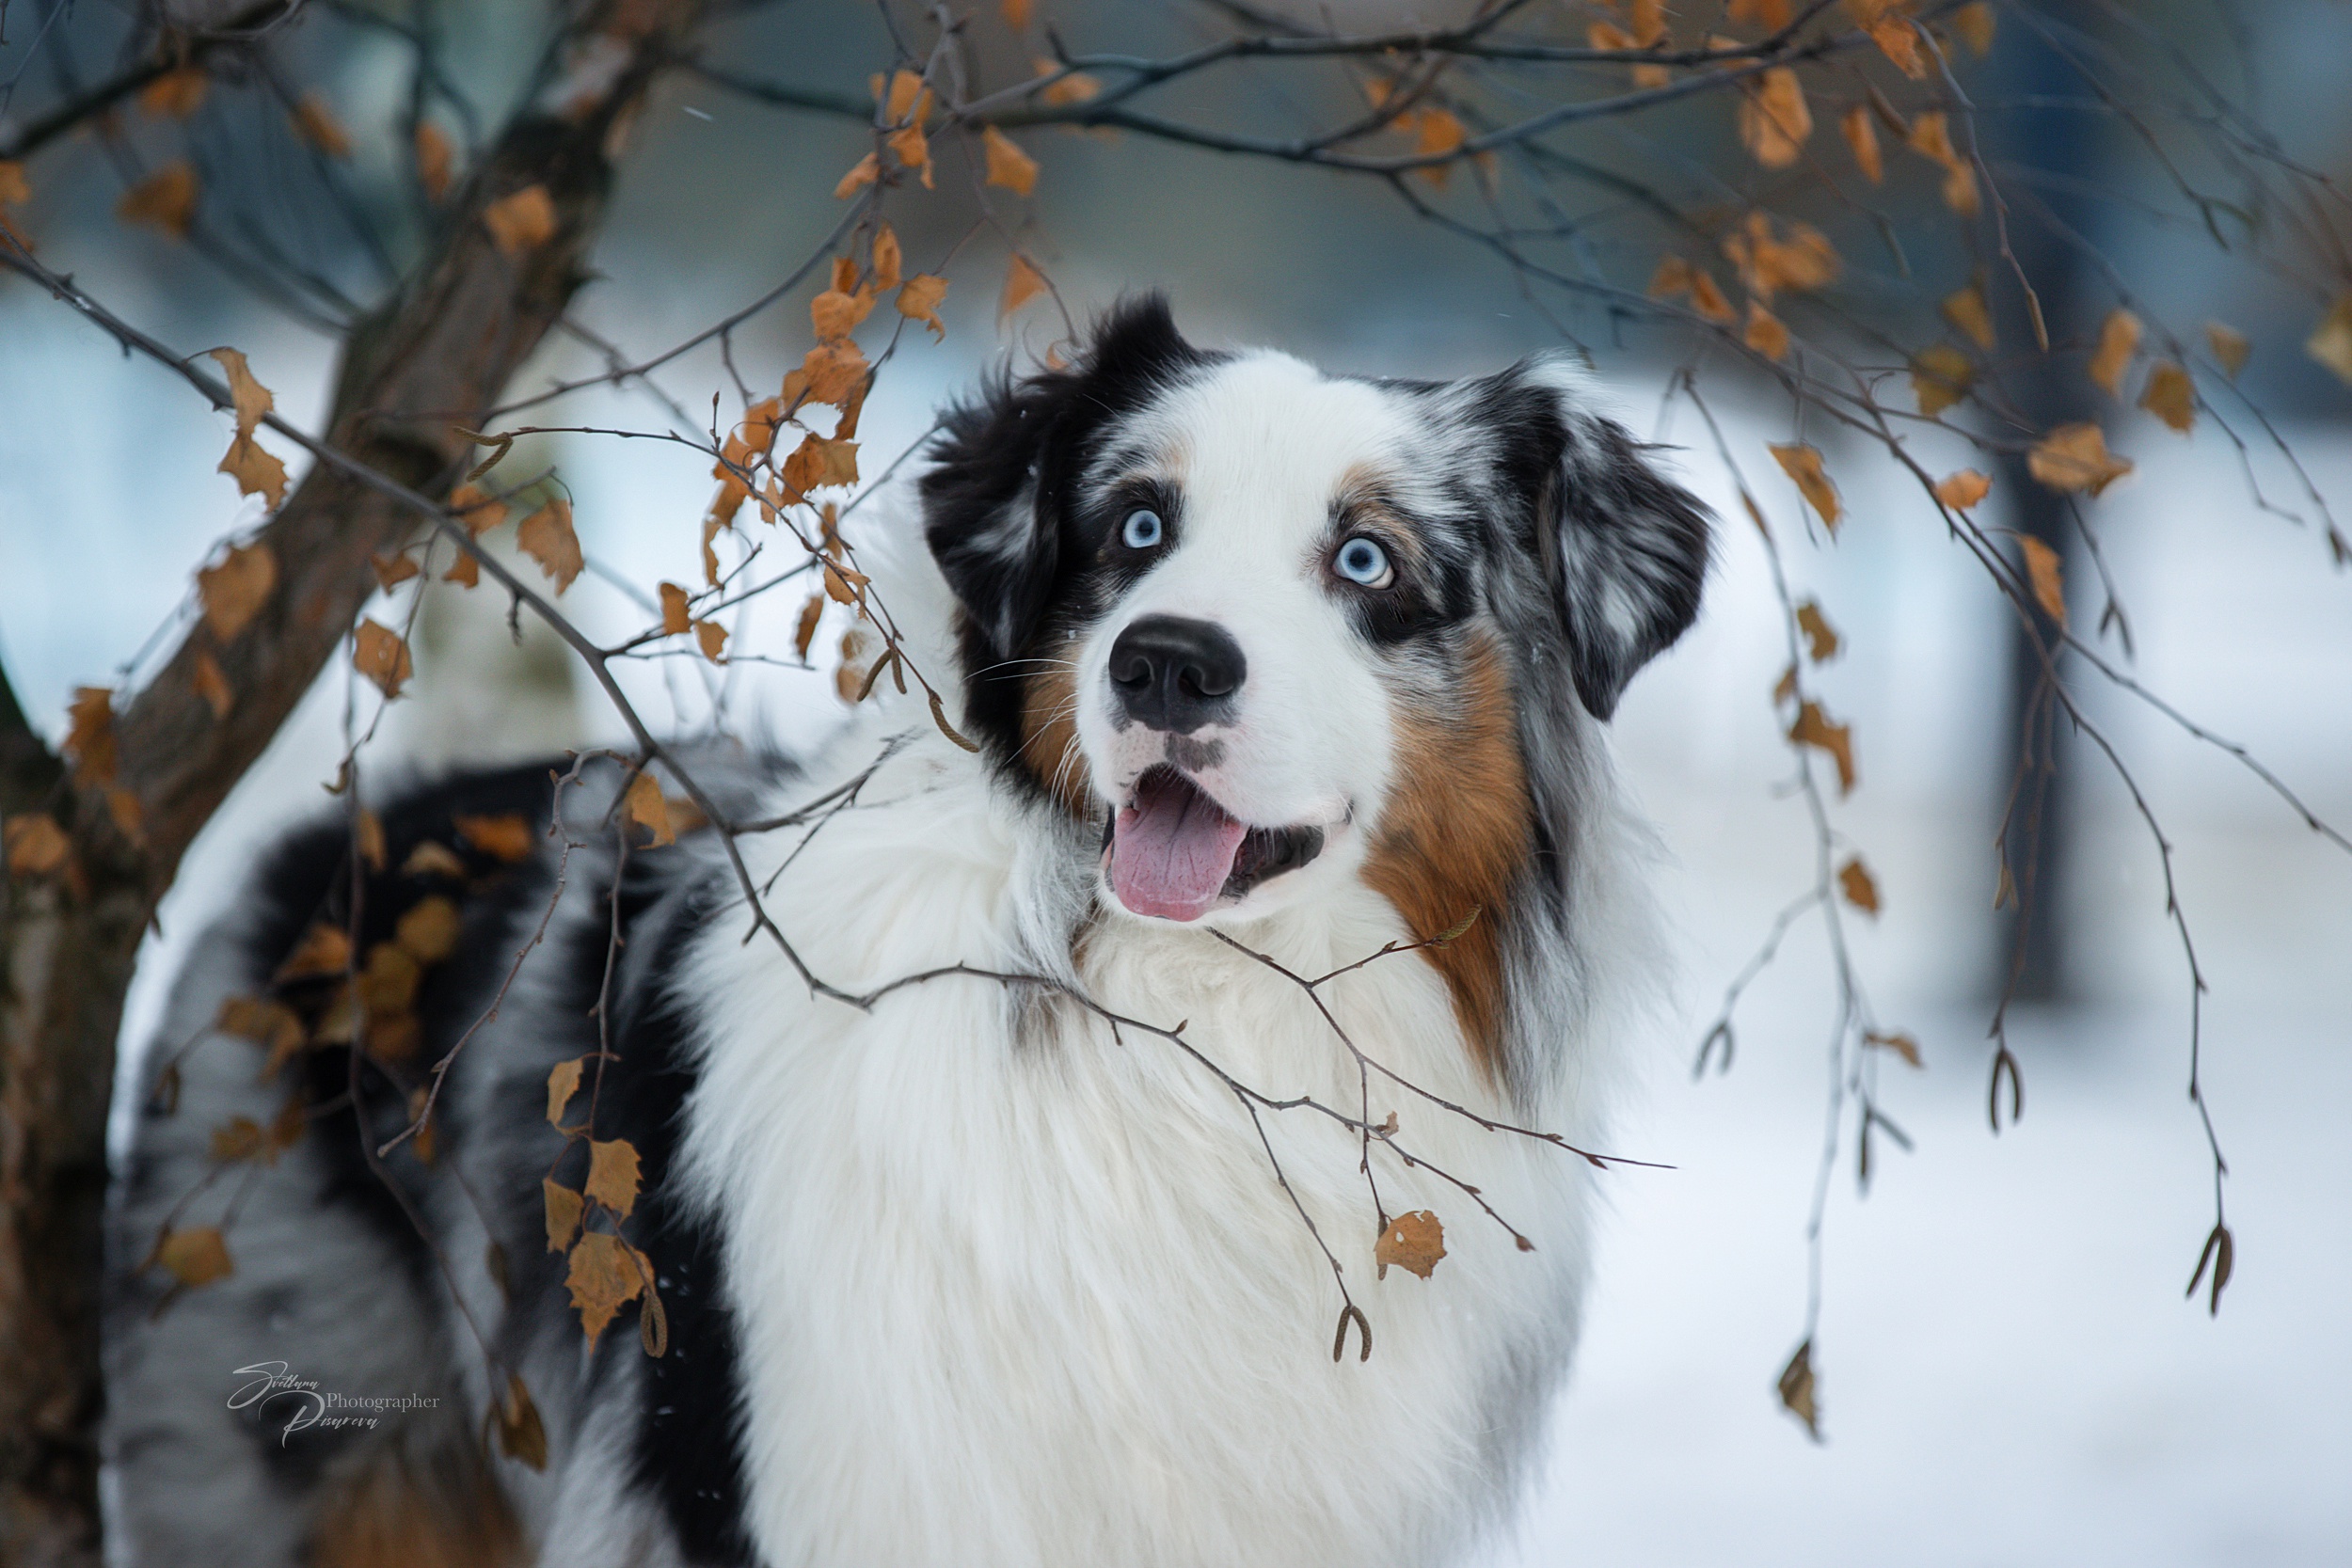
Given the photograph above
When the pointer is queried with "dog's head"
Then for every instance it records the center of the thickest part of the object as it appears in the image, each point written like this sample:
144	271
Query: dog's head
1282	628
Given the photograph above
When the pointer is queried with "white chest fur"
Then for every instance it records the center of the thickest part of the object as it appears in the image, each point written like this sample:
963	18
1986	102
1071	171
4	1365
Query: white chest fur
1027	1297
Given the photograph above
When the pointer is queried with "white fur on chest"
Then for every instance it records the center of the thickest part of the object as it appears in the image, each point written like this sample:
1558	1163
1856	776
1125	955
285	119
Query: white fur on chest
1035	1296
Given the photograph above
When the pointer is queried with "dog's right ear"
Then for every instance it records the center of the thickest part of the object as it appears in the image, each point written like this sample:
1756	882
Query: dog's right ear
1008	459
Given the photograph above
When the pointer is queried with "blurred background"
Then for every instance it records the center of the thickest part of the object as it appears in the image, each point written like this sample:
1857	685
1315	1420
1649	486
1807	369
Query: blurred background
2009	1373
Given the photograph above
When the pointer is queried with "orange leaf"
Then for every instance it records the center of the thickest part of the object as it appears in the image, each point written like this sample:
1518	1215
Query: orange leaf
2119	336
1821	637
508	837
862	174
195	1256
2228	346
369	830
713	638
1766	334
1802	464
886	259
605	1273
522	1435
91	739
1439	132
314	123
250	397
913	150
1007	166
674	616
1855	882
818	462
1775	122
806	632
1804	260
166	198
1023	283
836	314
178	93
1414	1240
909	100
392	570
1900	42
2330	342
1939	378
1900	1044
464	571
233	591
1962	490
1065	91
1016	14
647	809
563	1083
2049	584
522	221
547	537
612	1171
1973	24
476	509
1813	728
564	1210
256	471
210	684
437	160
2076	457
2171	396
1863	137
35	845
1967	310
378	653
324	950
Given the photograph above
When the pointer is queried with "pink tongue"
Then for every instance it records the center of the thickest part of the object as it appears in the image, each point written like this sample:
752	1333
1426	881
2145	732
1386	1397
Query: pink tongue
1172	850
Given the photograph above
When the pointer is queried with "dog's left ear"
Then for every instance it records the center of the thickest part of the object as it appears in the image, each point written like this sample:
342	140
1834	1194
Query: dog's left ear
1625	549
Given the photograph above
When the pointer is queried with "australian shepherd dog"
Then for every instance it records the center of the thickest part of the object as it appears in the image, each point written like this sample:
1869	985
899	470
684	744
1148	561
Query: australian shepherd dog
992	1142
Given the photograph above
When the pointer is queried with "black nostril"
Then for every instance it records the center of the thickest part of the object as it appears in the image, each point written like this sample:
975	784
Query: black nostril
1174	674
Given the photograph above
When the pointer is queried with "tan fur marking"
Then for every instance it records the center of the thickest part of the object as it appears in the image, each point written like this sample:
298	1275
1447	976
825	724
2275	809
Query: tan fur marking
441	1511
1049	737
1453	834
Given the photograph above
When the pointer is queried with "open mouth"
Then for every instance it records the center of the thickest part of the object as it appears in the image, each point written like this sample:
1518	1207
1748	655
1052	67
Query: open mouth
1174	853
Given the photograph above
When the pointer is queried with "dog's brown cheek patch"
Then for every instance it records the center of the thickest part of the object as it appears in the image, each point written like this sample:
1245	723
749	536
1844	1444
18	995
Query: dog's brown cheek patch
1452	835
1049	737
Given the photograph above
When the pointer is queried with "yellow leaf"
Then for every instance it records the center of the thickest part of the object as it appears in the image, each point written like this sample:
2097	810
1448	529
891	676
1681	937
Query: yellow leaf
886	258
2171	396
605	1273
613	1172
1967	310
564	1210
1855	882
2049	585
250	399
256	471
1813	728
1075	87
166	198
1775	122
674	616
1803	262
913	150
35	845
2228	346
919	301
1023	283
378	653
1414	1240
1973	24
1796	1390
178	93
437	160
2076	457
1962	490
1939	378
522	1435
314	123
324	950
208	682
713	638
1649	21
563	1083
233	591
862	174
1007	166
1821	637
2330	342
195	1256
2119	336
1930	136
428	930
547	537
646	808
507	837
1766	334
522	221
1439	132
1863	137
1802	464
908	99
836	314
1900	42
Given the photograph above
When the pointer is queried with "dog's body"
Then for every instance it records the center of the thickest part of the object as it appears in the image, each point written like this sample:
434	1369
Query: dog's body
987	1270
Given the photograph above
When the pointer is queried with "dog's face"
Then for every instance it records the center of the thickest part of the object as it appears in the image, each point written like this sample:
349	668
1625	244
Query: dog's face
1281	629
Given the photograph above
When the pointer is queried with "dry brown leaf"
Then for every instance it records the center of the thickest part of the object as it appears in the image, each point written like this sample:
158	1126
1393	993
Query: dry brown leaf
547	537
919	301
2119	339
646	808
563	1083
605	1274
2048	578
523	221
804	633
378	653
1861	890
1765	333
431	858
1016	14
316	124
368	829
197	1257
1902	1044
913	150
1796	1390
35	845
886	259
178	93
1967	310
1007	166
1439	132
563	1211
387	984
237	1140
437	160
909	99
272	1025
1821	637
1775	122
522	1435
1863	138
712	639
15	190
613	1172
324	950
392	570
2228	346
1770	15
1930	136
1813	728
464	571
207	682
1023	283
1803	262
862	174
428	931
2076	457
2171	396
1802	464
1973	24
1075	87
1414	1240
674	616
2330	342
256	471
818	462
250	399
1939	378
1899	40
1962	490
89	739
477	509
166	198
122	807
507	837
836	314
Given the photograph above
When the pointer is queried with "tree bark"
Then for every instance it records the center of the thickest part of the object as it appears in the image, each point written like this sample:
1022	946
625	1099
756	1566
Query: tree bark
445	343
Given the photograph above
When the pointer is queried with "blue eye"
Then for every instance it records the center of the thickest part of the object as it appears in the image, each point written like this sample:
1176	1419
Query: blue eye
1363	561
1142	532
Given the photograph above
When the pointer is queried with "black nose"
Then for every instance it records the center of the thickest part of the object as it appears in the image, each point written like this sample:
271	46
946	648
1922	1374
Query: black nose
1176	674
